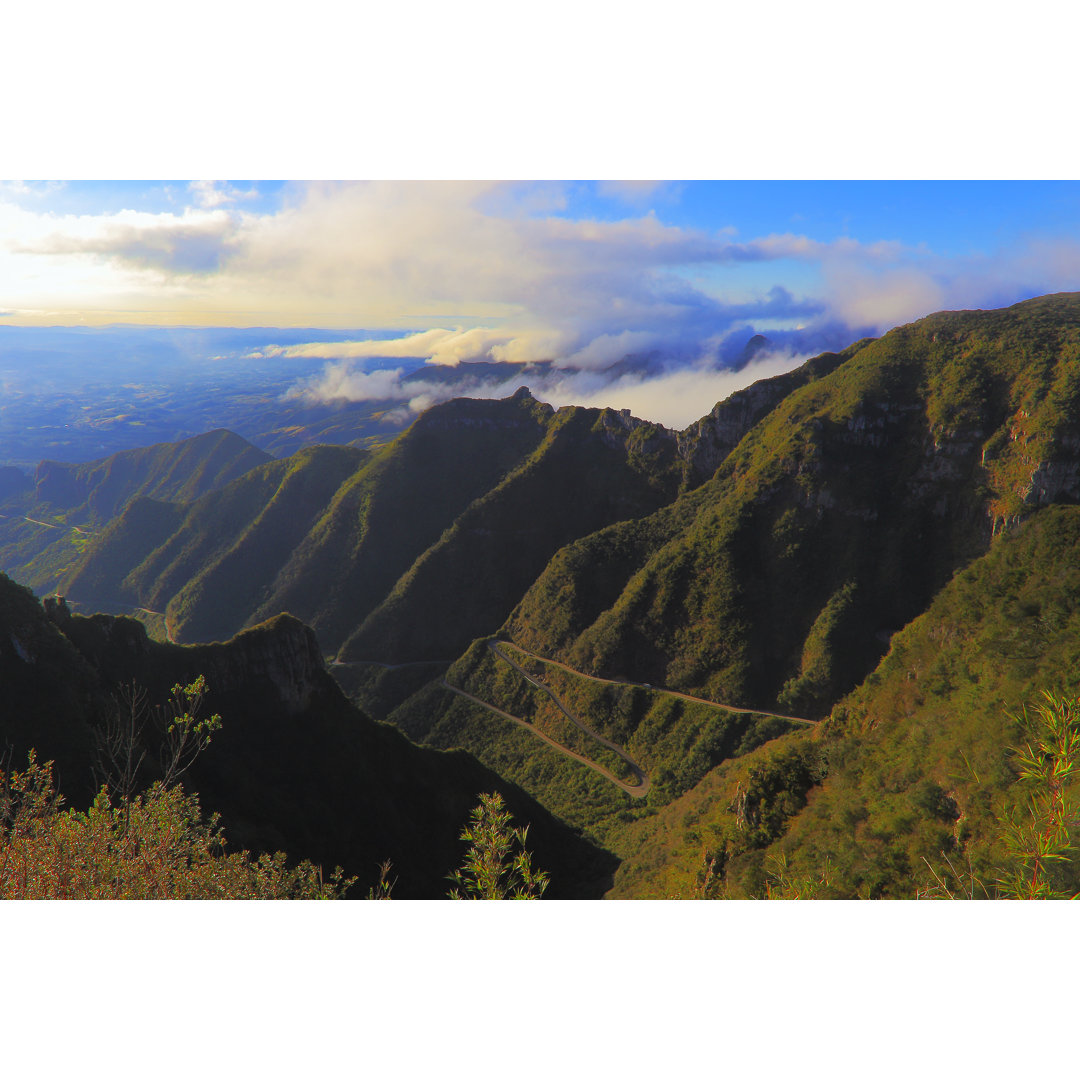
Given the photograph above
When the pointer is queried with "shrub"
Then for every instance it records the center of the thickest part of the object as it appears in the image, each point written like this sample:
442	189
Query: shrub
157	846
492	869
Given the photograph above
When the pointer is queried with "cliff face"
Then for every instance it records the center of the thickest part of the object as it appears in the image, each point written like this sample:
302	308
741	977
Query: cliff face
278	661
707	442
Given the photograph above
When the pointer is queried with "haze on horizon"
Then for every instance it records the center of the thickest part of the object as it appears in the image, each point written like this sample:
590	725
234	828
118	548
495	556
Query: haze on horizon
638	295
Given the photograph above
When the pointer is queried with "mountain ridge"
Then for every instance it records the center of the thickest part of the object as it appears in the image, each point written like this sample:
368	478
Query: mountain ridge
781	555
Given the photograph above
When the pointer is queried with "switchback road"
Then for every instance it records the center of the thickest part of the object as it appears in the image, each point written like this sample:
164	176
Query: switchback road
647	686
635	768
635	791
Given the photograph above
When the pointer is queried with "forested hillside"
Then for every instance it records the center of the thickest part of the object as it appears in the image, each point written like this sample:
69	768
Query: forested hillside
47	523
789	640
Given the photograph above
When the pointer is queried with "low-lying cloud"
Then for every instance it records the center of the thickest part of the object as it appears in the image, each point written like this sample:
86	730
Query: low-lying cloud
674	396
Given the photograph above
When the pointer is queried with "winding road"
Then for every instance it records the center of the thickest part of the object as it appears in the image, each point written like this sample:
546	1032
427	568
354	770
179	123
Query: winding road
641	788
49	525
647	686
635	768
635	791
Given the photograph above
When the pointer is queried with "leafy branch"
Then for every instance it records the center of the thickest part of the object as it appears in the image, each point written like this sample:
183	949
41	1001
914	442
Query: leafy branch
497	866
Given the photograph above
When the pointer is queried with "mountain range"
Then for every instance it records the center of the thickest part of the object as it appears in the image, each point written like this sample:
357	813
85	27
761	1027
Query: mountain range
797	630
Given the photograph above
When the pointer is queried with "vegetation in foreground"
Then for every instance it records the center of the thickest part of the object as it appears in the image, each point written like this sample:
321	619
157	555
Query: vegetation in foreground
497	865
157	845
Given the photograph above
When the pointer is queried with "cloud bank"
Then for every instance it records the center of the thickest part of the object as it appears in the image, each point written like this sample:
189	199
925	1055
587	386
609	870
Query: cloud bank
674	396
623	308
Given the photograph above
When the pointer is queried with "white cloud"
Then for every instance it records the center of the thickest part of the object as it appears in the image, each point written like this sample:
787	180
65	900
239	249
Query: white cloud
209	195
436	346
195	240
338	382
882	298
634	192
675	398
607	349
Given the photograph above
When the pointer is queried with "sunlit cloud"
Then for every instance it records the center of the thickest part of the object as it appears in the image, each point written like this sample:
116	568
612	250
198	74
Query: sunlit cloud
673	396
32	189
619	306
213	193
194	241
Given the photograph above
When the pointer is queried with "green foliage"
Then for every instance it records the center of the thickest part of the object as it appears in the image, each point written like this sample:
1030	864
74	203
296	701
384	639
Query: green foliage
157	847
587	471
183	732
1036	834
497	865
809	693
187	730
782	884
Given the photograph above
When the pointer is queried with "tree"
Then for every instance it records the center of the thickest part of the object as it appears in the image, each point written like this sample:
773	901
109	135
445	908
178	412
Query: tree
183	732
492	869
187	732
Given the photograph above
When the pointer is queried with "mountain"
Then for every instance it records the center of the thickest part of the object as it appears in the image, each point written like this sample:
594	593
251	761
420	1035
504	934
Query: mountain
790	631
295	766
44	527
97	491
590	468
438	532
212	559
779	583
758	343
834	521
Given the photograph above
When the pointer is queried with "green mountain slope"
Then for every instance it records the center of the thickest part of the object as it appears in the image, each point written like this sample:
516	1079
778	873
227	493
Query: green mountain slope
592	467
210	561
913	765
97	491
405	552
323	534
834	521
45	529
389	513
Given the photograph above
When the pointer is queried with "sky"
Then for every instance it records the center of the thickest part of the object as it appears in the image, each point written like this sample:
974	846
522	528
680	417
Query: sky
638	294
429	91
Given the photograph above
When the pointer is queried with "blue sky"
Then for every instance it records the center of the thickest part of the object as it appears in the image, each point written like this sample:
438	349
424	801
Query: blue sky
675	275
98	251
